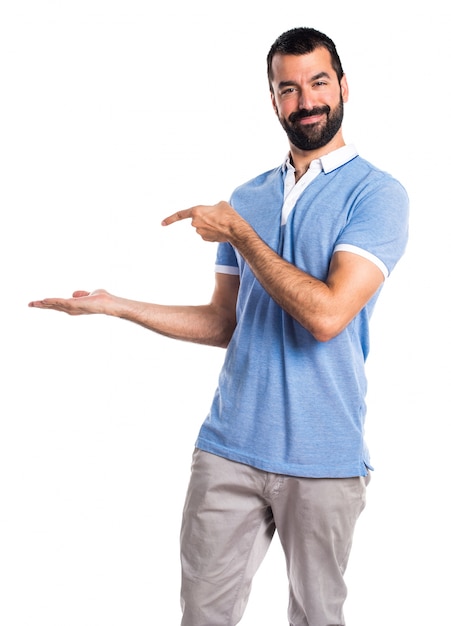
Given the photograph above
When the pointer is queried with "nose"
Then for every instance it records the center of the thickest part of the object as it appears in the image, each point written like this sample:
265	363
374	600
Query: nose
306	99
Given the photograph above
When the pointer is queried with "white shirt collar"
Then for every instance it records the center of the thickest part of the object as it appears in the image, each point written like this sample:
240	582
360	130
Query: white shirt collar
329	162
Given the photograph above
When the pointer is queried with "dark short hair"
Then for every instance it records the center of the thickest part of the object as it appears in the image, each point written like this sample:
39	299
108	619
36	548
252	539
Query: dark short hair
300	41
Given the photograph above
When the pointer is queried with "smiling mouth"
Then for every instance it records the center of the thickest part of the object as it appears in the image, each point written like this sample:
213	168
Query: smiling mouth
311	119
306	117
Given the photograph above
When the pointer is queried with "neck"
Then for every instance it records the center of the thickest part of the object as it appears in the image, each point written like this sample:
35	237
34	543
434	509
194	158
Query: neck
301	159
298	173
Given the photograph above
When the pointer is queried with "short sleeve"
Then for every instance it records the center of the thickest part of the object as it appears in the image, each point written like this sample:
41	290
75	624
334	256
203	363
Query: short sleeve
226	261
378	224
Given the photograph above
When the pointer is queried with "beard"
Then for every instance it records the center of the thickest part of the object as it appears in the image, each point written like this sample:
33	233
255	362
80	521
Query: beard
313	136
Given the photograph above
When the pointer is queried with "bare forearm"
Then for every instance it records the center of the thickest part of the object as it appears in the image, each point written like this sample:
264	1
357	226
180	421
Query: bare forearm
299	294
305	298
324	308
201	324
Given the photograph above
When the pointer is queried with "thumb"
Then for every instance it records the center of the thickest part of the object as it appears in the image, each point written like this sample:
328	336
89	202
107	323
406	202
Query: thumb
80	294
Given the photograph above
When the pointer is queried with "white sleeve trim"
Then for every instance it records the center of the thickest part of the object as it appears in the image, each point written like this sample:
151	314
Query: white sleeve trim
345	247
227	269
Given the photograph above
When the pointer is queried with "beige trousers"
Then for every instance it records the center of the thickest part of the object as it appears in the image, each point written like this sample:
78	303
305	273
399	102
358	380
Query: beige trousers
231	513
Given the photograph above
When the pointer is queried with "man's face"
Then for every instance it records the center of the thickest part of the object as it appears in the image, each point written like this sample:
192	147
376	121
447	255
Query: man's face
308	99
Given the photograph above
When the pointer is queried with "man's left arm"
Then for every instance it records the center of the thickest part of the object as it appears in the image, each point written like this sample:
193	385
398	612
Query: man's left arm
324	308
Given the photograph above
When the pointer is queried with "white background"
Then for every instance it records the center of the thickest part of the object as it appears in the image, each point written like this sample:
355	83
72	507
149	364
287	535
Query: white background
114	114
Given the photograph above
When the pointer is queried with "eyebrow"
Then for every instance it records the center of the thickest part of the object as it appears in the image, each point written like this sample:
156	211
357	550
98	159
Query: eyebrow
321	75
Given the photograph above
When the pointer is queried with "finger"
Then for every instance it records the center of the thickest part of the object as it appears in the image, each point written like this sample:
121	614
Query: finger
50	303
177	217
47	303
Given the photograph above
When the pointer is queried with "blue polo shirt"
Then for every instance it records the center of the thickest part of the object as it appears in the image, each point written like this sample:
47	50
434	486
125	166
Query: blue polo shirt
285	402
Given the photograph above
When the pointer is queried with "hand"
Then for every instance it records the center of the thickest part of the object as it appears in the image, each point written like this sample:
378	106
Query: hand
81	303
213	223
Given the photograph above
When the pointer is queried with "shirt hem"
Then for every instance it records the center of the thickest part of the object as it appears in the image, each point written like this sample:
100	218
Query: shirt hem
359	468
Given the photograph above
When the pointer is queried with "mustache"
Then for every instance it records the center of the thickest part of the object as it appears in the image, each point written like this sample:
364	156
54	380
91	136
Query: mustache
298	115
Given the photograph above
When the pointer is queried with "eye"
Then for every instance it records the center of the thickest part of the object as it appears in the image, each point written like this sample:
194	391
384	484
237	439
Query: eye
287	91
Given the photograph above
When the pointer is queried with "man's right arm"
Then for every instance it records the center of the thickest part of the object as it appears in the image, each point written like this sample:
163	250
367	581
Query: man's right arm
210	324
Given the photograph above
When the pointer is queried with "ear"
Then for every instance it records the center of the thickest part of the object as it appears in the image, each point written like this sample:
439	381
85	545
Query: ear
344	88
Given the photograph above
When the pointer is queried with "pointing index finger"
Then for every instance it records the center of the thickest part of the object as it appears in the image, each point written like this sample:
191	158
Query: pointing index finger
177	217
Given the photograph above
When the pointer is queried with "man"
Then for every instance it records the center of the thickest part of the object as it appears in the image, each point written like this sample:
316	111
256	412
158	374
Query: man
303	252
